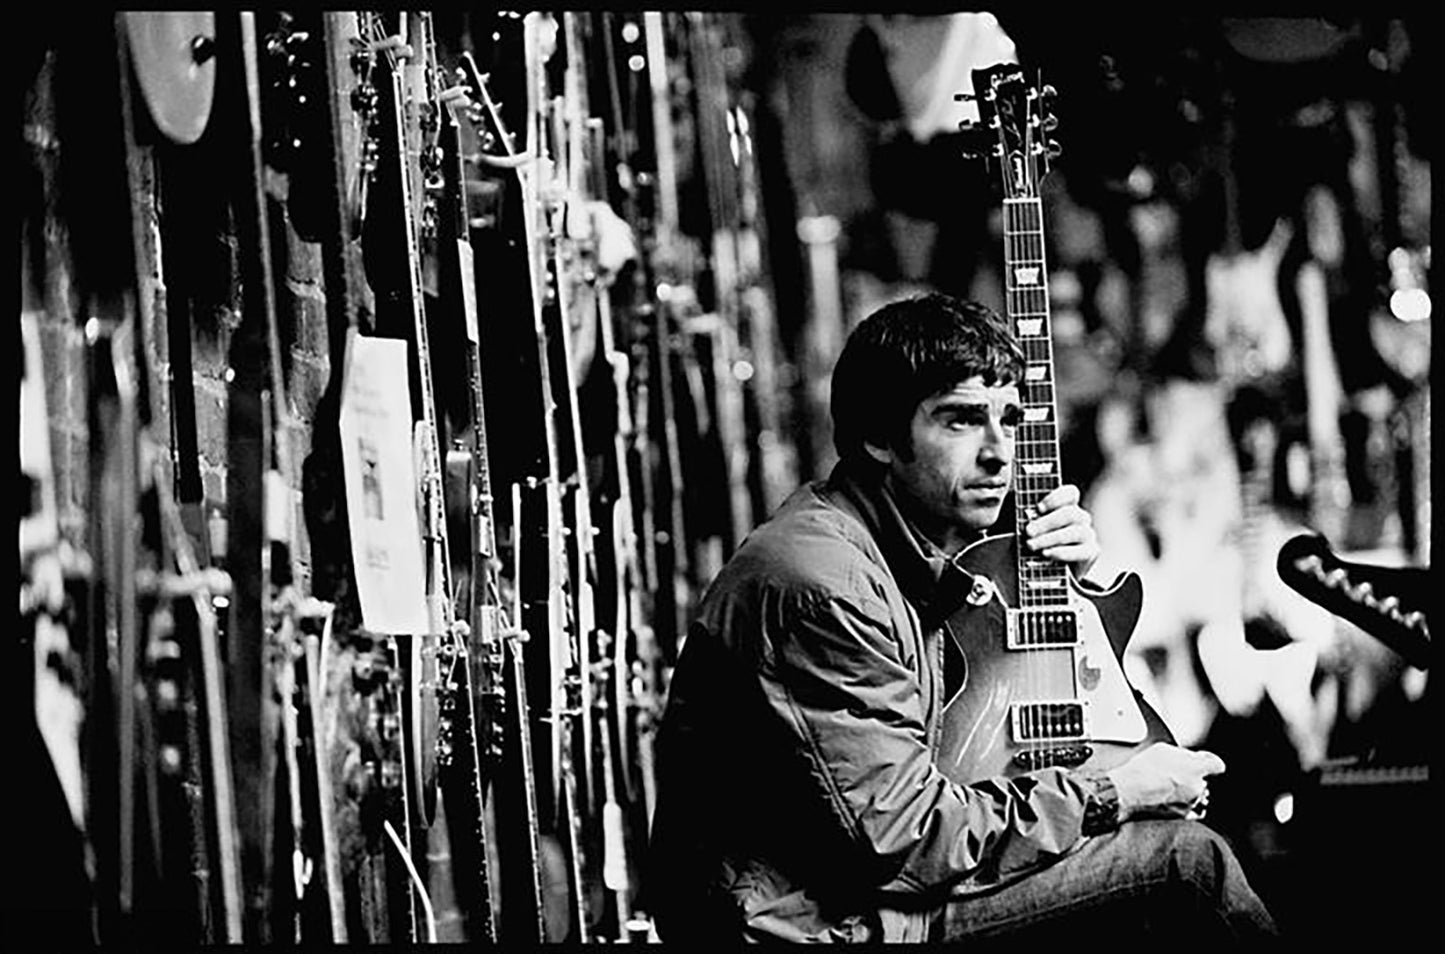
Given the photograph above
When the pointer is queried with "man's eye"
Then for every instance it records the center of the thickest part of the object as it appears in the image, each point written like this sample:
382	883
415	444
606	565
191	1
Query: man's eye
1013	417
971	417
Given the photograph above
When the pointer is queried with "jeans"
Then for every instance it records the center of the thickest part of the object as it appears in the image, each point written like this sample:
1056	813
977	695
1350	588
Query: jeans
1149	879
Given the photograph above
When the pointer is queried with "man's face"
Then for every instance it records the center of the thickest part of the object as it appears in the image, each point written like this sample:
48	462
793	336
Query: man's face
951	479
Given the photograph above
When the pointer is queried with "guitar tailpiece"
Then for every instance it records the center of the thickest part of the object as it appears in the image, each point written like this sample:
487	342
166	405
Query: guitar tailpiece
1068	756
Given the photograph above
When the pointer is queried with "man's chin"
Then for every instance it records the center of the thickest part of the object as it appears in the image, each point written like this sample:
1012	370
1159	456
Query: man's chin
979	518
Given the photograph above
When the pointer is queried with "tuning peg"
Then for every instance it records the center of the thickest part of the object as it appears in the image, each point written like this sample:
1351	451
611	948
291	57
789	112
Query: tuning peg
1050	122
1052	147
363	98
1363	593
458	92
361	57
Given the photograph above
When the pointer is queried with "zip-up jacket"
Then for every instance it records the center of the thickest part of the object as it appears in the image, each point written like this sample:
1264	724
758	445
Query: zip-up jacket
798	795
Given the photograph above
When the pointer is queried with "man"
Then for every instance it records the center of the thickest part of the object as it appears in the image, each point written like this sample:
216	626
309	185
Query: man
798	794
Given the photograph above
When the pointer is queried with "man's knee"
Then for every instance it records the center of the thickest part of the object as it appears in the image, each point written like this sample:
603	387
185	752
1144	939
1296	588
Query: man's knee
1200	857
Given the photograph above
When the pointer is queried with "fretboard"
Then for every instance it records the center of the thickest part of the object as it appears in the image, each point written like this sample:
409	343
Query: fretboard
1042	582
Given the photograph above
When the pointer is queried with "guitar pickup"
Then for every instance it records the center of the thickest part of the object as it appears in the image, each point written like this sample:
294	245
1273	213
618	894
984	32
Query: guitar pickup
1051	628
1033	722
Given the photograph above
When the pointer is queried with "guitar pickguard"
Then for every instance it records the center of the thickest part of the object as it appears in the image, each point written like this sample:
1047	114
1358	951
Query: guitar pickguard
1112	713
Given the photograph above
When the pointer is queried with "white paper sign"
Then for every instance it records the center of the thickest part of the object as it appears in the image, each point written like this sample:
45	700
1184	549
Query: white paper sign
381	495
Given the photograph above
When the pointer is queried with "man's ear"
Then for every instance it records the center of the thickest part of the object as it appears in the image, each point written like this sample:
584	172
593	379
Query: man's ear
882	455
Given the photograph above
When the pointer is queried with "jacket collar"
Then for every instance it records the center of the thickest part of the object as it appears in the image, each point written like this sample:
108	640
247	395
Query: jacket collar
932	582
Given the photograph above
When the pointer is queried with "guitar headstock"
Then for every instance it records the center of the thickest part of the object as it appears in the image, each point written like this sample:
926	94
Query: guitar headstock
495	137
293	87
1016	116
1386	602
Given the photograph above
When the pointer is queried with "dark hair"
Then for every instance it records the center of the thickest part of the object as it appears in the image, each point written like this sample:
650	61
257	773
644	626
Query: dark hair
906	351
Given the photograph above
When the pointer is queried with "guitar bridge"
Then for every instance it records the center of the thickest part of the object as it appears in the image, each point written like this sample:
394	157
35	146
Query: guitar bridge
1053	628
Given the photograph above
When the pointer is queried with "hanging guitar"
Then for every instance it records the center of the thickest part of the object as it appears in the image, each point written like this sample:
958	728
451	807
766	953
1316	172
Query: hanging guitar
1386	602
1043	685
536	902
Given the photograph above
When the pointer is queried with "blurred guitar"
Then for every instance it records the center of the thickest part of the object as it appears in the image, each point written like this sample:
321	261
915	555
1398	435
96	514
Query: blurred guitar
1244	321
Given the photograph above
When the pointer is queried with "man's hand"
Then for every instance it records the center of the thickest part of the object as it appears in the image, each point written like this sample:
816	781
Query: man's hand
1165	781
1062	530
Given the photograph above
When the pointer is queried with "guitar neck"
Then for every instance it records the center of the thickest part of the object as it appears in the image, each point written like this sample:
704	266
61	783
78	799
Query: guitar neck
1042	582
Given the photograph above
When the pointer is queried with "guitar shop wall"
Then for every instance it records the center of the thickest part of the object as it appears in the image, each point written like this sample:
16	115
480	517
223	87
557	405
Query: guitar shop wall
301	291
146	338
1238	244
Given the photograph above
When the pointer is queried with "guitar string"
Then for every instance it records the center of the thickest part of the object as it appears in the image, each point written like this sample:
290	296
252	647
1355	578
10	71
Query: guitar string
1043	582
1025	487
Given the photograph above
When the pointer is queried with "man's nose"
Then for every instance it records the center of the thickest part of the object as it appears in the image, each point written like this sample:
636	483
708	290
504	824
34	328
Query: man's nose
998	444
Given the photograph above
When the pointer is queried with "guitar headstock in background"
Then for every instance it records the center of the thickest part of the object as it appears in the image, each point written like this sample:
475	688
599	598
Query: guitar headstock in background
1386	602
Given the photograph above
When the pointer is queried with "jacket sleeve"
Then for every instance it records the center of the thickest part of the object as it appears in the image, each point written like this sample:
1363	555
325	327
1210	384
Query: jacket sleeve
837	677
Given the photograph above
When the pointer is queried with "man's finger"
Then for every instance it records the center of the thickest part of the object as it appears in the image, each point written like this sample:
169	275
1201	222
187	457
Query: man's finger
1061	496
1210	763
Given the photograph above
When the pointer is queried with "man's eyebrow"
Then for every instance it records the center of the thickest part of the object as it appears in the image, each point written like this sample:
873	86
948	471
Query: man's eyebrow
975	400
953	402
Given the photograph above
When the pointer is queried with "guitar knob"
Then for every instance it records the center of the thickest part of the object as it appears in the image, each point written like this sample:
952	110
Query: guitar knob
203	49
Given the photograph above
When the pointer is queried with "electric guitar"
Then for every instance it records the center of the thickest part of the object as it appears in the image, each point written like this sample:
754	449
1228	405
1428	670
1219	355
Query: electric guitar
1043	683
543	902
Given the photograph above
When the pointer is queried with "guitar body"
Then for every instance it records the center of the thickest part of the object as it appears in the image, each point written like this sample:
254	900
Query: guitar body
1245	322
980	737
173	52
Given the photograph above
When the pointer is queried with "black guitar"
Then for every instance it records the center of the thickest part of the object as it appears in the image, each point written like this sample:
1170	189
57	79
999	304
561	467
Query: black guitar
1386	602
1043	683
